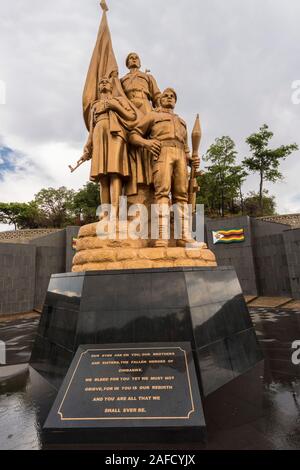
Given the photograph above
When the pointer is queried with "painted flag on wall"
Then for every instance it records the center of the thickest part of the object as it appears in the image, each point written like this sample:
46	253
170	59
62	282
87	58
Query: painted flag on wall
74	240
228	236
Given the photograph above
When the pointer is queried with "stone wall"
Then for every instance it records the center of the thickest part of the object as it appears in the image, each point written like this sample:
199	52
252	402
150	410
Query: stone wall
71	232
292	249
267	262
17	277
292	220
271	264
238	255
49	260
26	235
26	266
261	228
270	258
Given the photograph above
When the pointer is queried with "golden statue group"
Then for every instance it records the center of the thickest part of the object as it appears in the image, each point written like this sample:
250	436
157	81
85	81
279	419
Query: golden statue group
138	148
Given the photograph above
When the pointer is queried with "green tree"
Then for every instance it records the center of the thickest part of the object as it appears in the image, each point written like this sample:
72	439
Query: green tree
21	215
238	175
252	204
56	205
264	160
30	217
208	195
222	174
86	201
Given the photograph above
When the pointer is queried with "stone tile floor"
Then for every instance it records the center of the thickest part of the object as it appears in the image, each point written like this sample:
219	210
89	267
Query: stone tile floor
258	410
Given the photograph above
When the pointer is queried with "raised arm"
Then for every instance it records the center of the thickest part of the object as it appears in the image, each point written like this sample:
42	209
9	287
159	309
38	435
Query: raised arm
122	109
154	91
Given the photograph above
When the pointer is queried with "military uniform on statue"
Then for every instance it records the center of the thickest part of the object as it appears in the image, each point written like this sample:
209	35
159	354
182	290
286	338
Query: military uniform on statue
141	330
142	90
168	142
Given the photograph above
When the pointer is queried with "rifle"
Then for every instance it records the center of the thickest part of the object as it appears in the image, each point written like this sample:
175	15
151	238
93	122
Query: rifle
193	184
79	163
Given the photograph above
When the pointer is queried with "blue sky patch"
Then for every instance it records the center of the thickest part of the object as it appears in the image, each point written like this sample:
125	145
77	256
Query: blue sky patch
7	161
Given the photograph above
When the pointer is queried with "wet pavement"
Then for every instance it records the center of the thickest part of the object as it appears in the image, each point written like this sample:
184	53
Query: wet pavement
18	337
258	410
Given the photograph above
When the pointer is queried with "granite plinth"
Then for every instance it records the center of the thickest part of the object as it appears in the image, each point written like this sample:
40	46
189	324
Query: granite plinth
203	306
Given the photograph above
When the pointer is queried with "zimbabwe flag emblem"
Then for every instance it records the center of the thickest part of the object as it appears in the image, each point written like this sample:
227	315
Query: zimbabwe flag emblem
229	236
74	240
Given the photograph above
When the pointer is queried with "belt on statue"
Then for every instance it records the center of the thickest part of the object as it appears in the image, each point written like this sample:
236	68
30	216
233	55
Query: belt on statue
172	143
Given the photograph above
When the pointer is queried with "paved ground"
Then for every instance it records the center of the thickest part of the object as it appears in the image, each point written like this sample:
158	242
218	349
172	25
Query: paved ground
18	336
270	302
258	410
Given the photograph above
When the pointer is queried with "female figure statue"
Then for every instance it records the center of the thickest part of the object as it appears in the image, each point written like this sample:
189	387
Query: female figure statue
107	143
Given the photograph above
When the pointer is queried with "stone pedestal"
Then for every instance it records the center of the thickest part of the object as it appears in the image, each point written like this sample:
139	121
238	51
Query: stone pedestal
200	305
95	252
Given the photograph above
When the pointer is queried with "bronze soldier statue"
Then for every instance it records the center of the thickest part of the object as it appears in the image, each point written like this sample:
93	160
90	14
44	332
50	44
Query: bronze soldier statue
140	87
164	134
142	90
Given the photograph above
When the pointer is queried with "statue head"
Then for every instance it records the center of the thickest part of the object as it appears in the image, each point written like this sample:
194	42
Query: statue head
105	85
133	61
168	98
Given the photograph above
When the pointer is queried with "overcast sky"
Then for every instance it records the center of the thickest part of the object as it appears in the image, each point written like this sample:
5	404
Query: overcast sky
232	61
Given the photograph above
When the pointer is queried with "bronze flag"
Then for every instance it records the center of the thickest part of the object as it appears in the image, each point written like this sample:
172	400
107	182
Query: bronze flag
103	63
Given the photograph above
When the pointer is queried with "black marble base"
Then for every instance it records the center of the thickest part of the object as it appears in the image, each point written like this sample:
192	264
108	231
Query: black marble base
203	306
128	393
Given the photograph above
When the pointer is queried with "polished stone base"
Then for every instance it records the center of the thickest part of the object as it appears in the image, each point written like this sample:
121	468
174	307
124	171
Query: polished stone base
203	306
240	415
